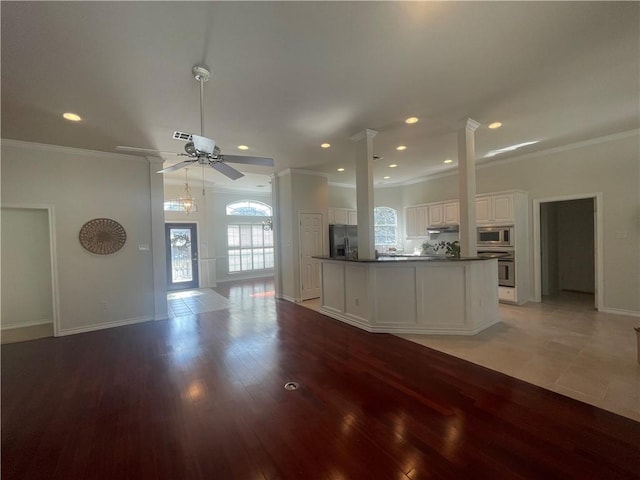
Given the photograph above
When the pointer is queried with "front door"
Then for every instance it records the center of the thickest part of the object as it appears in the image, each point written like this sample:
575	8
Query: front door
182	255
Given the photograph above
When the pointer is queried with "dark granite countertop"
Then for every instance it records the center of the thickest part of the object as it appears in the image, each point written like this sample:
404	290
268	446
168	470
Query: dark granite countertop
407	258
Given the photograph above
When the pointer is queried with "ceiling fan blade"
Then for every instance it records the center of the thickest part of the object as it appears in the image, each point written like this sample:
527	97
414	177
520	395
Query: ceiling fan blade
264	161
178	166
124	148
225	169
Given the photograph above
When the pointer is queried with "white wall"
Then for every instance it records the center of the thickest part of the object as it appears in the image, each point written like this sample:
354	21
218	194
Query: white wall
298	193
26	268
95	291
609	165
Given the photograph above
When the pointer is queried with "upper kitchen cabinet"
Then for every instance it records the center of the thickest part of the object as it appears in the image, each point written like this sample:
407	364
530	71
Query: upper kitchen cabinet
451	213
494	209
443	213
342	216
417	221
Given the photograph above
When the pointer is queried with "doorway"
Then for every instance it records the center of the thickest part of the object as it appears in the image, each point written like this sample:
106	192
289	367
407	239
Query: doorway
29	273
182	255
311	244
566	251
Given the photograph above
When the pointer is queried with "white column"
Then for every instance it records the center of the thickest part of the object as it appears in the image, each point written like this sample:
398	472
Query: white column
207	252
467	188
275	225
159	261
364	193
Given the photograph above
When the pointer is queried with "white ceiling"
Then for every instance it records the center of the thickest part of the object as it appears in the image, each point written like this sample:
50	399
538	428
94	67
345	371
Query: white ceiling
288	76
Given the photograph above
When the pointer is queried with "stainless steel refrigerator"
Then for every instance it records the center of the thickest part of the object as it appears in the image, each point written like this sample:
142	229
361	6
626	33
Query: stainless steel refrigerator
343	241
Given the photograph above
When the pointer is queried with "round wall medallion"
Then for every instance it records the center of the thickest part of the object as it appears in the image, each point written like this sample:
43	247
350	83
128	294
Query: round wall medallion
102	236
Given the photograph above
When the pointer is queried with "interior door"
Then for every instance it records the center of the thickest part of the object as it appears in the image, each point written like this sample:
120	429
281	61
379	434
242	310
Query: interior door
311	244
182	255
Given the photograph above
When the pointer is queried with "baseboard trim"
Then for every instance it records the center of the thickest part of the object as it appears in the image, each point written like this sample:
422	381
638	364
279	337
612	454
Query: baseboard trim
619	311
102	326
28	324
288	298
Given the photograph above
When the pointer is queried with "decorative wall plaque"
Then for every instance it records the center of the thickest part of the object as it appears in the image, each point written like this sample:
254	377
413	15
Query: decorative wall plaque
102	236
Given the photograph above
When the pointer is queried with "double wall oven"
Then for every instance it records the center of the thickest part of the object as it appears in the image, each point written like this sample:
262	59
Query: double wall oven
506	266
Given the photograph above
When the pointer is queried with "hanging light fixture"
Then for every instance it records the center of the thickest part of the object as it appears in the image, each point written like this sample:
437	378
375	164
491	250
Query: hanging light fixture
186	199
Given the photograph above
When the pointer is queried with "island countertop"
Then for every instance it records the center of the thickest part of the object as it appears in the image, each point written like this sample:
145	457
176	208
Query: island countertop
405	258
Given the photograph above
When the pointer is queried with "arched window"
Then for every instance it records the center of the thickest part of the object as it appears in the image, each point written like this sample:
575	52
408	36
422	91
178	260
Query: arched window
249	208
249	242
385	220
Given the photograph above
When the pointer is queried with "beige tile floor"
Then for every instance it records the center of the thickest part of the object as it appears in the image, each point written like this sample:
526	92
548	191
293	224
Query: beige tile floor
561	344
190	302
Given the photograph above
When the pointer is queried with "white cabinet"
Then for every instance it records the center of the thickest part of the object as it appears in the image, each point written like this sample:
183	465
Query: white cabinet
417	221
411	225
507	294
494	209
422	220
442	214
451	213
331	214
436	214
342	216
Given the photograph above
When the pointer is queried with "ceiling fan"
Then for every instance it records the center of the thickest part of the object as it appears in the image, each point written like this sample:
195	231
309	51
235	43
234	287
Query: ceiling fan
202	150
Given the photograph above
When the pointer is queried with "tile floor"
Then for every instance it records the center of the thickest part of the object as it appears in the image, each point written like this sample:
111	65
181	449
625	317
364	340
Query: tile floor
190	302
561	344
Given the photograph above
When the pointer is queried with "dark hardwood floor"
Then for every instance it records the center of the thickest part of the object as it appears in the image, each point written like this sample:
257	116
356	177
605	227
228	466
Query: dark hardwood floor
202	397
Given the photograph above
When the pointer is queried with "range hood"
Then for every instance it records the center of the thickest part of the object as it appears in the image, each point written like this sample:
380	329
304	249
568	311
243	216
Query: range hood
444	229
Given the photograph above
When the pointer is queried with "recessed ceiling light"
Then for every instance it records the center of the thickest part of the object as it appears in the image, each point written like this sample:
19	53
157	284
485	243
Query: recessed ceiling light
341	169
393	165
387	177
401	147
243	147
74	117
495	125
325	145
411	120
448	160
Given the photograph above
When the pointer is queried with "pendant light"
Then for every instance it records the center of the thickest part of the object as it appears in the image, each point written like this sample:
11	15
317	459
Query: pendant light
186	199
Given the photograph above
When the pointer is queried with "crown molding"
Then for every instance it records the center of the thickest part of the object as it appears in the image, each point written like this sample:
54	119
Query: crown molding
43	147
290	171
488	163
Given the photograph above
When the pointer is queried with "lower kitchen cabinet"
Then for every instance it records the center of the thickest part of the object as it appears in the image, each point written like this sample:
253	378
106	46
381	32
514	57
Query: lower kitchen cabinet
507	294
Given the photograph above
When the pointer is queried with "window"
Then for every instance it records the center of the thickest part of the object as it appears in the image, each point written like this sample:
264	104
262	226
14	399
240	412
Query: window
249	208
249	245
385	222
176	206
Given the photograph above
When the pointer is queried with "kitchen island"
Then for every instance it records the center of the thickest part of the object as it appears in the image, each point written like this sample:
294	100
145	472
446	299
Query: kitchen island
412	294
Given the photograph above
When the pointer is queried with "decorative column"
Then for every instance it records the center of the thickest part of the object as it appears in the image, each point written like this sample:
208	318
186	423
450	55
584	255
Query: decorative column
275	225
159	259
364	193
467	188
